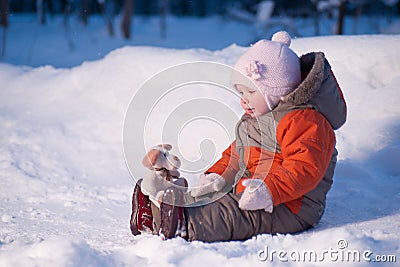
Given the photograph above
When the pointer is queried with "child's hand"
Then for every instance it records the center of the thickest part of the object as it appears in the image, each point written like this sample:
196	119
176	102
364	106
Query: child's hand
208	183
256	196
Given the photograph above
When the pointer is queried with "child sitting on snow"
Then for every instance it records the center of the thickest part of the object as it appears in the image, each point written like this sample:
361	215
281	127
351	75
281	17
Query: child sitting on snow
275	176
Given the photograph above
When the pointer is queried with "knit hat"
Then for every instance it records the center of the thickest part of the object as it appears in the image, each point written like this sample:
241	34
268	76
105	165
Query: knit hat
270	66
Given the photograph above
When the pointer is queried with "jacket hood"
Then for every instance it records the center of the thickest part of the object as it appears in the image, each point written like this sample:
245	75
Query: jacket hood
319	90
314	64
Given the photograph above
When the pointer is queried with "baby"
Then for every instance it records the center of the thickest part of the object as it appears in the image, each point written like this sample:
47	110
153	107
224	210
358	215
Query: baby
275	176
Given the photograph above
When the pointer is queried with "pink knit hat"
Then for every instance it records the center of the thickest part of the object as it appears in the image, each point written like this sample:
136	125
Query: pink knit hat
271	66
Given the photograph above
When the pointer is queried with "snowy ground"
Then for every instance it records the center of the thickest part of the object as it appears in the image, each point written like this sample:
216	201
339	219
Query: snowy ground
65	189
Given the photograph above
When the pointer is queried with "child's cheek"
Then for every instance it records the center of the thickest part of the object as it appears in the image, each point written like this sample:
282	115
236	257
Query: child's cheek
243	104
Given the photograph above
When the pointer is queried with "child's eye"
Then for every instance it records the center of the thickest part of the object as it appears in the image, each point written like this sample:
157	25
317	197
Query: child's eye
240	93
250	92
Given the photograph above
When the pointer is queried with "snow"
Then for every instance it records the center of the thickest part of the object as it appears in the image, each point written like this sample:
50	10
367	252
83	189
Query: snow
66	190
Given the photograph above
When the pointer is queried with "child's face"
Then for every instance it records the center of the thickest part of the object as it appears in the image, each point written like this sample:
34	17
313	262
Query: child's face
252	101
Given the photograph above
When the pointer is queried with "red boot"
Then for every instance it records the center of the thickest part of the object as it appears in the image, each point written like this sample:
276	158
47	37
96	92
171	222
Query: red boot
173	222
142	216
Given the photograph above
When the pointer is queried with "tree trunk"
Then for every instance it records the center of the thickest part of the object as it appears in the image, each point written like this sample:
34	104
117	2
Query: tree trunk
67	9
357	16
341	15
4	13
317	30
126	18
85	10
40	11
316	16
201	9
398	8
185	9
163	15
4	25
107	19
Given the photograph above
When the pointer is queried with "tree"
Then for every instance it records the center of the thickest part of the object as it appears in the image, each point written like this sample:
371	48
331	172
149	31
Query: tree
41	7
4	13
341	15
163	15
126	18
66	7
340	8
3	24
85	12
107	19
333	5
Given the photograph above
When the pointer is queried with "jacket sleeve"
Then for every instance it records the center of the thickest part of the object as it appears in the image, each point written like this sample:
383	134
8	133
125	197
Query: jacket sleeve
228	165
307	141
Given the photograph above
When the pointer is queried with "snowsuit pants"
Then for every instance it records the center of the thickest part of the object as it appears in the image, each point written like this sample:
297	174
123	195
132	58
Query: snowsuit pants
223	220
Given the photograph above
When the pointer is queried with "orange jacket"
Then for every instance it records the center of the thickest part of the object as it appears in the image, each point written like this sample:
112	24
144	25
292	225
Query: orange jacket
307	141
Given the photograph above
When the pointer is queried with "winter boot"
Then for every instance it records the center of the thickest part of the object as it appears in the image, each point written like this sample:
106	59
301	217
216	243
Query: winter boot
173	222
142	216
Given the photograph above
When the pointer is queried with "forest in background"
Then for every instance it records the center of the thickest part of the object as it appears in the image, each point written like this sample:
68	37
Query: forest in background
250	11
202	7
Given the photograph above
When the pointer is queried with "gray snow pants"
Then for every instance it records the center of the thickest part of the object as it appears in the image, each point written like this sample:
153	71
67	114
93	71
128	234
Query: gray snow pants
223	220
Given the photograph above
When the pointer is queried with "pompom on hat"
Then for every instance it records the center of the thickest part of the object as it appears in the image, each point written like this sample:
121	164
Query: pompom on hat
271	66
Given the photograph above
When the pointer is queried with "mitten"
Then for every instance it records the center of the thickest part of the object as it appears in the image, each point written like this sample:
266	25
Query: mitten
153	183
208	183
256	196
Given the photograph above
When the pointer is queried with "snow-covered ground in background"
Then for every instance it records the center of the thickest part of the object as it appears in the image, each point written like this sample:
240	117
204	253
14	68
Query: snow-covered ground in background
32	44
65	189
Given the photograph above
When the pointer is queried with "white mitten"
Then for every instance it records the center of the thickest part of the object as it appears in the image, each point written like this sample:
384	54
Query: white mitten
153	183
256	196
208	183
